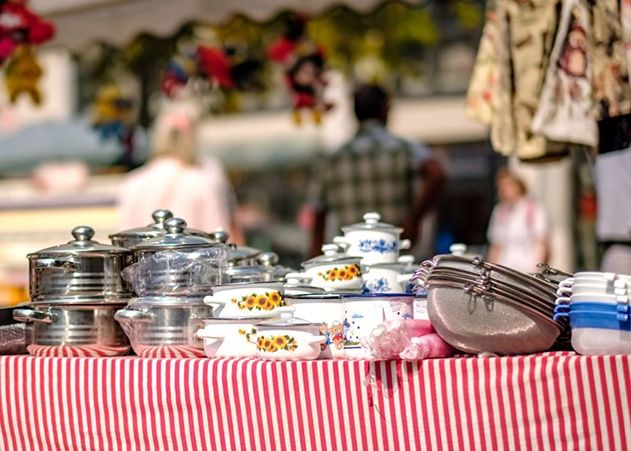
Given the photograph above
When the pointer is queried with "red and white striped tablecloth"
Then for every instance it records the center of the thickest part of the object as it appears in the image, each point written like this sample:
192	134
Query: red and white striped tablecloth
533	402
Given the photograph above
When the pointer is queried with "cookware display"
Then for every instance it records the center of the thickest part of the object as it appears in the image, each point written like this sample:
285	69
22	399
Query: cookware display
389	277
373	241
326	309
334	270
598	308
73	329
132	237
246	300
288	338
477	306
165	326
81	269
228	337
176	263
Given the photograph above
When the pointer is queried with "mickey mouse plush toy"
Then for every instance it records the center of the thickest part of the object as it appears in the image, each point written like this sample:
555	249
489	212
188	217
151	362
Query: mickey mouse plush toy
304	64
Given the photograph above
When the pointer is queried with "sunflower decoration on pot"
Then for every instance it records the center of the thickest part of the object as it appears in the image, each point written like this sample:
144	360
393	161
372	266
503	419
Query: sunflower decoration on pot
305	64
20	30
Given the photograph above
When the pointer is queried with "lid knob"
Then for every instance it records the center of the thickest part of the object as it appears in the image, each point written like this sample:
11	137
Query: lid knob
83	233
268	259
372	218
220	235
458	248
175	225
159	216
286	312
330	249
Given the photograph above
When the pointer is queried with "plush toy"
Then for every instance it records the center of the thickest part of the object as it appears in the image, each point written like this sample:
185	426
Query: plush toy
219	66
304	64
19	25
22	75
113	113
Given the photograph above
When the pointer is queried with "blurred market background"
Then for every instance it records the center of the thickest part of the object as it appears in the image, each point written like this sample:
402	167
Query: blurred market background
424	52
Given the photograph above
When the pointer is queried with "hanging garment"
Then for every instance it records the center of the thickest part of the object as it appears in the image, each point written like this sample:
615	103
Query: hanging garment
566	109
481	102
612	91
503	133
625	15
533	24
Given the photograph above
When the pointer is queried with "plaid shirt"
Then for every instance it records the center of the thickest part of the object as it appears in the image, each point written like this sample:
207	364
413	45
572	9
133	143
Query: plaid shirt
373	172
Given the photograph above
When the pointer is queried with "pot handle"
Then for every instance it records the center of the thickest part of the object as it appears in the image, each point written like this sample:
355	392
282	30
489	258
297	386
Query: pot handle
213	302
211	337
343	242
405	244
130	316
32	316
49	263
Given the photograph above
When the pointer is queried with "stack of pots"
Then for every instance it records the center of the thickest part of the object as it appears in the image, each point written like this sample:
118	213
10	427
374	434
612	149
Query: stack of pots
75	290
171	274
378	245
252	319
597	305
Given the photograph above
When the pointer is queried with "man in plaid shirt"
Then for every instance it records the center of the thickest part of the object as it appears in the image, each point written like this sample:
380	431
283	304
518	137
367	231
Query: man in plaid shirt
375	171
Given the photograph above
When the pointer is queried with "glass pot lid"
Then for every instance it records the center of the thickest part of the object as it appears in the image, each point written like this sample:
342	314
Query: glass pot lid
371	222
82	244
175	236
154	229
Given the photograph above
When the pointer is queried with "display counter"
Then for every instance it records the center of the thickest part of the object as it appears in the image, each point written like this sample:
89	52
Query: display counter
550	401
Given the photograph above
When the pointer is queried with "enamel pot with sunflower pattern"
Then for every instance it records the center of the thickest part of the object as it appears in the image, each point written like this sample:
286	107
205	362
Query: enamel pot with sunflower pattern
334	271
246	300
288	338
228	337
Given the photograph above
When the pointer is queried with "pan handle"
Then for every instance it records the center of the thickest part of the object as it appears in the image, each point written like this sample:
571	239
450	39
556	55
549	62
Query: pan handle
51	263
32	316
130	316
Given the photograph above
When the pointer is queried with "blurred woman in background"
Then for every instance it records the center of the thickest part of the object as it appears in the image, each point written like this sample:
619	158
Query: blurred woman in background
518	231
195	190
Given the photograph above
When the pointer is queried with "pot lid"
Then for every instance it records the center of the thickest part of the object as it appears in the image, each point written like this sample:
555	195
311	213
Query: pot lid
331	254
286	319
175	236
156	228
82	243
371	222
235	253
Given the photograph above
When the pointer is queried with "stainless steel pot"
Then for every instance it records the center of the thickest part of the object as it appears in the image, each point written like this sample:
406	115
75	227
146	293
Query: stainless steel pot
133	237
165	326
237	255
81	269
62	329
177	263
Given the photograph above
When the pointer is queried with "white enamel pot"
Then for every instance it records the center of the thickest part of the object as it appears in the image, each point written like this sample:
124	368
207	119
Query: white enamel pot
246	300
228	338
334	271
327	310
288	338
373	241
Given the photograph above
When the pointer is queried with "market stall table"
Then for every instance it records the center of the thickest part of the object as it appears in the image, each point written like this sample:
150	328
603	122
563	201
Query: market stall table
551	401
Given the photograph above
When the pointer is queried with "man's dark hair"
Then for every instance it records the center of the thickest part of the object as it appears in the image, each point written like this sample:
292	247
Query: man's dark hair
371	102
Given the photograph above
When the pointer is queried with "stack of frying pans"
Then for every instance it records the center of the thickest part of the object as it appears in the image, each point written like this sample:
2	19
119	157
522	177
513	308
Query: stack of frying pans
477	306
